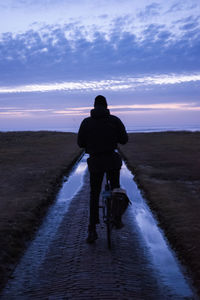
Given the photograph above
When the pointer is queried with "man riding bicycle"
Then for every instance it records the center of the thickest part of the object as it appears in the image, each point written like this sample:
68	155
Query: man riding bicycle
99	134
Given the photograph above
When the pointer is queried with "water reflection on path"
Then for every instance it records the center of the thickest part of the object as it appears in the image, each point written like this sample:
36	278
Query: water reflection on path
73	182
162	257
36	252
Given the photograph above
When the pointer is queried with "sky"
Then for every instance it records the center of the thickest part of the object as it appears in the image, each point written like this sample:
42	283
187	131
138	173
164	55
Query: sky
56	56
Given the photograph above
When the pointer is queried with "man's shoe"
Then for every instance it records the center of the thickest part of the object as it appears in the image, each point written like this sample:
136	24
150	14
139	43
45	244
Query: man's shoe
92	236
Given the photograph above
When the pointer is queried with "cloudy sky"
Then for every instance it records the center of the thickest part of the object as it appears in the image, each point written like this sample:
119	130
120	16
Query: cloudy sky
56	56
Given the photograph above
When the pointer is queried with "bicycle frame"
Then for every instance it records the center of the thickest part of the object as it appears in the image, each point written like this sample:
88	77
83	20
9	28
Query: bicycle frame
106	205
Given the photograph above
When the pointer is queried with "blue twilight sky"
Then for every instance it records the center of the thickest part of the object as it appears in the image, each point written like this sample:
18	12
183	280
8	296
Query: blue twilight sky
56	56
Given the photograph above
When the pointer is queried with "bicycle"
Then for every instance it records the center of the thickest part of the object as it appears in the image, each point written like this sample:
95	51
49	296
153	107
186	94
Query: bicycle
107	210
114	204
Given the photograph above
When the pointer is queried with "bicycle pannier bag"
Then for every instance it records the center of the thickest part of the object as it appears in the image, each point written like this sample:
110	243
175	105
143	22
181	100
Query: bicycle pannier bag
120	202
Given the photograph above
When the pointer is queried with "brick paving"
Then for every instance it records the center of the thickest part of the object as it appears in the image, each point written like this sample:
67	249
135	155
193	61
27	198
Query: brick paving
73	269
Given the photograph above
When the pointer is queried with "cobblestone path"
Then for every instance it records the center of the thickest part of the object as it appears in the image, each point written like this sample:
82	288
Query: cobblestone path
72	269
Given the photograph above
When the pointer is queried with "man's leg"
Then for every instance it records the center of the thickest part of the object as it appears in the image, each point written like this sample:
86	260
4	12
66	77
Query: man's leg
96	179
113	176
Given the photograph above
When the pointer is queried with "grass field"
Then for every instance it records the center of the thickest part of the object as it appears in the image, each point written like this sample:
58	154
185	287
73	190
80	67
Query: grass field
167	169
32	165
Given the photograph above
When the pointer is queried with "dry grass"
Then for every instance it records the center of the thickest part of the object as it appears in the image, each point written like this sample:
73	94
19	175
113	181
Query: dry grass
31	168
167	168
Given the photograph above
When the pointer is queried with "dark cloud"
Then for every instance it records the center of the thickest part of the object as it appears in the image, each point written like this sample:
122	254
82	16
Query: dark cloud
189	26
150	10
120	22
152	31
189	23
52	54
181	6
176	7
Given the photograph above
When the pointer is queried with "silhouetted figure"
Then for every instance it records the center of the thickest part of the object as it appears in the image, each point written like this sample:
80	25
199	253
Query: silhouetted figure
99	134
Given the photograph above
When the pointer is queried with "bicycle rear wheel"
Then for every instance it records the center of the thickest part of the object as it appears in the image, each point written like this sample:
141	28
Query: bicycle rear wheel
109	235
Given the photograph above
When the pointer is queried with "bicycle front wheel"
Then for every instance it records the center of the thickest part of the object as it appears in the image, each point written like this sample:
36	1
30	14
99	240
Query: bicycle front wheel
108	223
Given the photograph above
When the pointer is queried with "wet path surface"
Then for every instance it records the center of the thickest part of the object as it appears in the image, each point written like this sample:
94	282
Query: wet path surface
60	265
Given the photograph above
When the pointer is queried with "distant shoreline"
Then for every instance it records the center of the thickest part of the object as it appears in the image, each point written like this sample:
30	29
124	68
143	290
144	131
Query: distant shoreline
136	129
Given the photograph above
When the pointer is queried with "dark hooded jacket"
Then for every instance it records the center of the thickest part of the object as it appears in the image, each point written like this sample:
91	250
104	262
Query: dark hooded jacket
100	133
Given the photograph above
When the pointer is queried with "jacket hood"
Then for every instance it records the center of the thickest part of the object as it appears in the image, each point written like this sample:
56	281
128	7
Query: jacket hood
99	112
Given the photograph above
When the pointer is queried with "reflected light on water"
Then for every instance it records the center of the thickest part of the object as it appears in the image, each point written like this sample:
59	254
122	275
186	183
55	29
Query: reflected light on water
81	168
74	182
162	257
36	252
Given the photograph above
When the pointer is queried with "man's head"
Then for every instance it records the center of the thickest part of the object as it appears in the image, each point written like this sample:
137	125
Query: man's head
100	101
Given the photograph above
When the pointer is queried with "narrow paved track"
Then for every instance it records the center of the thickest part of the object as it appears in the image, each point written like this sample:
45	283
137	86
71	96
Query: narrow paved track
72	269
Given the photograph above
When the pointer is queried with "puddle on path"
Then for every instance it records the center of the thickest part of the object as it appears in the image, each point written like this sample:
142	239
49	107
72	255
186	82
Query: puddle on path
35	254
160	255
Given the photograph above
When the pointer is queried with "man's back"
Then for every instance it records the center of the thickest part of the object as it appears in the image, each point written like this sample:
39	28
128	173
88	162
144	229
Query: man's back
101	132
